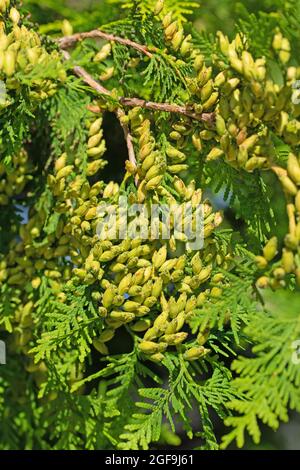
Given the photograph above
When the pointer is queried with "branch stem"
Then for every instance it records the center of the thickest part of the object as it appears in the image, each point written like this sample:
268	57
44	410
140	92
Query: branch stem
68	41
128	138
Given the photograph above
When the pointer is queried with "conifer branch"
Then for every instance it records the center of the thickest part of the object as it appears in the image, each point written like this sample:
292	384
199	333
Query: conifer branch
68	41
168	108
163	107
133	102
72	283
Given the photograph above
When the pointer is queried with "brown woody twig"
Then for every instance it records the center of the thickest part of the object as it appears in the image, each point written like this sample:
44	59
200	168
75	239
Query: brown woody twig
168	108
68	41
164	107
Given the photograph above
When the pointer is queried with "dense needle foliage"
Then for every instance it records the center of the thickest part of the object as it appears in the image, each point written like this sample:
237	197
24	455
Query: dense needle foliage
131	343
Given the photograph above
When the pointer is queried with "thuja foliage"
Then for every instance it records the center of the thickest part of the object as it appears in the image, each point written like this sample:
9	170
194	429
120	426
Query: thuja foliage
128	344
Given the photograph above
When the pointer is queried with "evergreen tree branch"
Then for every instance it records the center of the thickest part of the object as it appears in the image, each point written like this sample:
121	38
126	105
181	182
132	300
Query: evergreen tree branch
133	102
68	41
137	102
168	108
163	107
